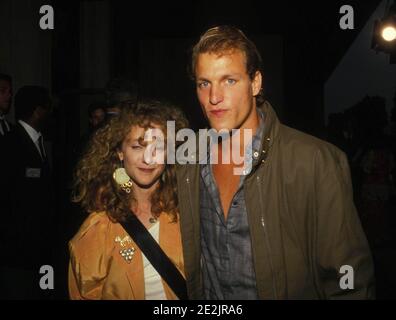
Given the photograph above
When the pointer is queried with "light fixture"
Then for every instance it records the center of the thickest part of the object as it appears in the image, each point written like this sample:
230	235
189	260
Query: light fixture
384	35
388	33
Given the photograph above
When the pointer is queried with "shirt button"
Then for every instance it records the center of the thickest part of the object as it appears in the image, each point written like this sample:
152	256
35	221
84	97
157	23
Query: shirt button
255	154
235	203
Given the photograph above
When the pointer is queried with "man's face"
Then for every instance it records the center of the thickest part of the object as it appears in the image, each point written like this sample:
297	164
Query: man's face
97	117
225	91
5	96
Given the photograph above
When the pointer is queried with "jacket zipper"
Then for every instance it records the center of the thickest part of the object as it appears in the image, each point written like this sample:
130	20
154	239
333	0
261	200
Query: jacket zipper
274	289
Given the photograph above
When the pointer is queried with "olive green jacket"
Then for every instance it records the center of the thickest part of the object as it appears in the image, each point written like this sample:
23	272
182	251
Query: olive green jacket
303	224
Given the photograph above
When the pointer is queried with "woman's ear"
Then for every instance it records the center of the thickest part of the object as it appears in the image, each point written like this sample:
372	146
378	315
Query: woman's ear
120	155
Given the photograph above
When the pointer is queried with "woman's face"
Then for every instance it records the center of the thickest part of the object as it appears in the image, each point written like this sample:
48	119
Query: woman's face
144	163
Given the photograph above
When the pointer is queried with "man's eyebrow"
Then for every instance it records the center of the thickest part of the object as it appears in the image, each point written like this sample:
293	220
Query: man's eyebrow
226	76
202	79
231	75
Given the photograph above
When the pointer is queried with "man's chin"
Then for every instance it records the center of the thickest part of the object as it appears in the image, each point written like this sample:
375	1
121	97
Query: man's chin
220	126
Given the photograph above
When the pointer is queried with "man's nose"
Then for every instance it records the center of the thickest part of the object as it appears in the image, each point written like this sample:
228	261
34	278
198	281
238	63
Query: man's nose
215	95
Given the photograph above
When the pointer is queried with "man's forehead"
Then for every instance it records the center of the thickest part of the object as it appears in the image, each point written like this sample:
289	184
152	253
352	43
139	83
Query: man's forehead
234	59
232	53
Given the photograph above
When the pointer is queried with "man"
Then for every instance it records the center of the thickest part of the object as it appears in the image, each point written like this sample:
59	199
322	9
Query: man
285	229
5	103
96	115
96	118
26	202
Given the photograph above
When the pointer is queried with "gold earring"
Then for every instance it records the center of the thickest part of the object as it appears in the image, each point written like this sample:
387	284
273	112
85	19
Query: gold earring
121	177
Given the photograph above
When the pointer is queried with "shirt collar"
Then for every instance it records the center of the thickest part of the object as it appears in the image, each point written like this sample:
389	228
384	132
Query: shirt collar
33	134
252	149
259	132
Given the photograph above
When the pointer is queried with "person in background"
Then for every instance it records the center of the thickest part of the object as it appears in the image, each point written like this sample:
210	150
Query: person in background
27	228
5	102
96	115
96	118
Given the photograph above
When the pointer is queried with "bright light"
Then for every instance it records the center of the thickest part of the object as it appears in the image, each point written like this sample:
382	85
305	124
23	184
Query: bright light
389	33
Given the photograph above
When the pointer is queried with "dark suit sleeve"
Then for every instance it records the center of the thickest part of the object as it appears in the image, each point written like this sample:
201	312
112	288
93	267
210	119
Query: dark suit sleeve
342	249
6	167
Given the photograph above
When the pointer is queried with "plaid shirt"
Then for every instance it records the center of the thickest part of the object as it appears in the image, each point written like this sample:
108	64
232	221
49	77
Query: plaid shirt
227	262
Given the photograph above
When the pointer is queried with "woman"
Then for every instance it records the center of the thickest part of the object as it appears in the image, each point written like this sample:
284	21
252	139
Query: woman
119	176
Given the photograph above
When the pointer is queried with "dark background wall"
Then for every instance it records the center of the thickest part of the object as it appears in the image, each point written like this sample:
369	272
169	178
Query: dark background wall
95	40
149	42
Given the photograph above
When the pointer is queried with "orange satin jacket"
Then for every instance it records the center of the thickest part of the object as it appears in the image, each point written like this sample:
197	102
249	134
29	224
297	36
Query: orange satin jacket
98	271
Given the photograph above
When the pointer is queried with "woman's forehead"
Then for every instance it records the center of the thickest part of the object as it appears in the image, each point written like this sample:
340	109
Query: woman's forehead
137	132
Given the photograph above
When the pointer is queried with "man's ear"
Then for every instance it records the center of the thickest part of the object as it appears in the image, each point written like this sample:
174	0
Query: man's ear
256	83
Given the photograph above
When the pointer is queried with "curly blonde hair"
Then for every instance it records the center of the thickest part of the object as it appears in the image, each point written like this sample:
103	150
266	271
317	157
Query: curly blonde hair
94	187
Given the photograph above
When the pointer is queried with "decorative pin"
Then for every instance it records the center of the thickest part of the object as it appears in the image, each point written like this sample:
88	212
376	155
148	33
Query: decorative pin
123	242
126	253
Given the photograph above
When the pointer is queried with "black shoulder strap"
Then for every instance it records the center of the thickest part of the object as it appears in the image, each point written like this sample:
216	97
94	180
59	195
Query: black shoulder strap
156	256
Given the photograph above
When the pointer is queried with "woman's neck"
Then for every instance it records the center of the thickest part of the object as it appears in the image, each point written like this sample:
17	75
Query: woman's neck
142	205
143	197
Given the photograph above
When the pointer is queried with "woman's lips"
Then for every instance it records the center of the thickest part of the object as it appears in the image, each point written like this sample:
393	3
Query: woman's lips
218	113
145	170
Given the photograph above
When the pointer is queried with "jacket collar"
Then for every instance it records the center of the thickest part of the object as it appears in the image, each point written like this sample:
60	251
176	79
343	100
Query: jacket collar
269	136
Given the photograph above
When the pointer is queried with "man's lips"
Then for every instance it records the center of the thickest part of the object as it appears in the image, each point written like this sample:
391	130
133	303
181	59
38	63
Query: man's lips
218	112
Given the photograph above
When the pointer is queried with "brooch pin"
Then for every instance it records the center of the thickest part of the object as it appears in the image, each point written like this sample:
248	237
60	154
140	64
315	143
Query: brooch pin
126	253
123	242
